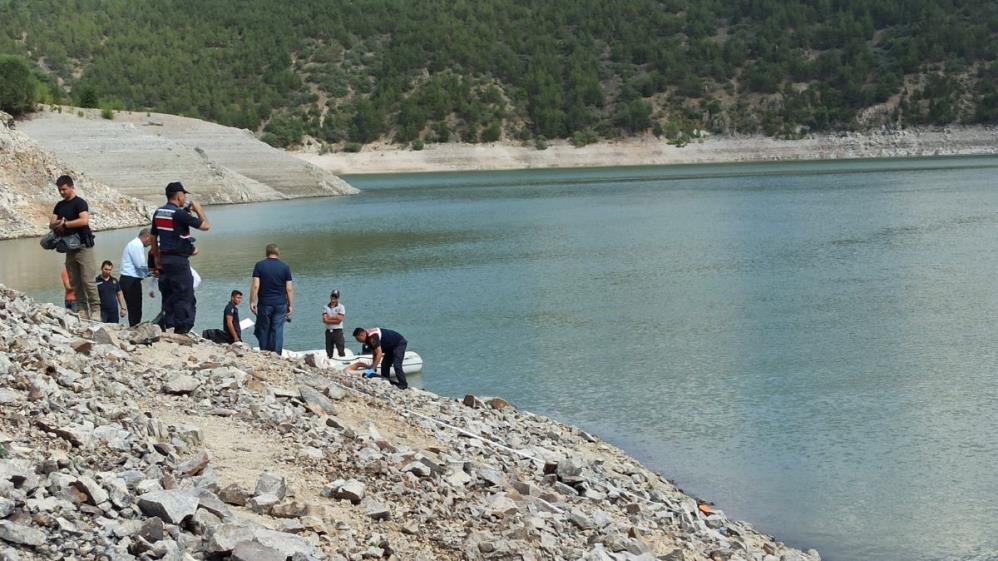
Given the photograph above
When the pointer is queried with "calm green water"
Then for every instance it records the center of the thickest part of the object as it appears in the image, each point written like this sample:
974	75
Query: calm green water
810	345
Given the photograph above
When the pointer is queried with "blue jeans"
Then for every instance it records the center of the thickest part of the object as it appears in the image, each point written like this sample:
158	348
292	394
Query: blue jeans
269	329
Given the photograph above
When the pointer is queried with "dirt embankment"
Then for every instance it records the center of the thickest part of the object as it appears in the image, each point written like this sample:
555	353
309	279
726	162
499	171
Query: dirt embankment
139	153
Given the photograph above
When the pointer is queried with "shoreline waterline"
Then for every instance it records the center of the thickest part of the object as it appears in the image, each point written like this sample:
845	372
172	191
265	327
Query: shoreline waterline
383	158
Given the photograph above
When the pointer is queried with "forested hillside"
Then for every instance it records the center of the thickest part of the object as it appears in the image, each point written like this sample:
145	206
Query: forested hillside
348	72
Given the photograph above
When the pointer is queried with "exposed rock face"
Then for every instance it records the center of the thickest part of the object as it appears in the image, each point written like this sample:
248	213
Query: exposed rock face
138	154
98	462
28	194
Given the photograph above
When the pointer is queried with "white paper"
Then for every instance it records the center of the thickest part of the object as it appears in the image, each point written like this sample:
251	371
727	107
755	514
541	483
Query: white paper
246	324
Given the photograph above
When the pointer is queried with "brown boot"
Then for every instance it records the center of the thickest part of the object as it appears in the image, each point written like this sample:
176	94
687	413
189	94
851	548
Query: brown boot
84	313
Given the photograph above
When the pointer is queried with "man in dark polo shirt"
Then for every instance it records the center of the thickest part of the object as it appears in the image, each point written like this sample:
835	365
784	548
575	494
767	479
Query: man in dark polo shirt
71	216
112	301
272	299
230	318
389	349
170	250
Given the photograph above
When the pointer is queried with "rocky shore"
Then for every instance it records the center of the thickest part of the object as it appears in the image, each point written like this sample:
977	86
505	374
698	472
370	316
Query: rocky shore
28	193
648	150
127	444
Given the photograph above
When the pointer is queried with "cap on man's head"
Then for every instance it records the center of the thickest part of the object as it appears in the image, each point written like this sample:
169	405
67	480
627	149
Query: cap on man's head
334	294
175	187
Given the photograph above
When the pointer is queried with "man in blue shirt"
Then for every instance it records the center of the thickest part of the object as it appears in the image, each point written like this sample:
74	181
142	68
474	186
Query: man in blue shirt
272	299
389	349
171	249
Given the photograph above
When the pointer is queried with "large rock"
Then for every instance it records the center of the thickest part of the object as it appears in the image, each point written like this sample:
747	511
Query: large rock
180	384
351	490
194	465
255	551
143	334
318	402
171	506
21	535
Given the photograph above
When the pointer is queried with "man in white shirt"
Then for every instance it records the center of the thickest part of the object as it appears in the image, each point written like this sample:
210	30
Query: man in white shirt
332	318
134	268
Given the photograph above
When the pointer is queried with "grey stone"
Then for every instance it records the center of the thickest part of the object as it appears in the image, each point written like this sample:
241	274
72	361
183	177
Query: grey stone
271	484
94	492
255	551
315	399
376	510
209	502
580	519
419	469
172	506
500	505
6	507
352	491
289	545
180	384
152	530
335	392
223	539
490	476
20	535
142	334
7	397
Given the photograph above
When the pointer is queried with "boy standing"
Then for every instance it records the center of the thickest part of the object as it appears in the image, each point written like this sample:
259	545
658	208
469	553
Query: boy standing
332	318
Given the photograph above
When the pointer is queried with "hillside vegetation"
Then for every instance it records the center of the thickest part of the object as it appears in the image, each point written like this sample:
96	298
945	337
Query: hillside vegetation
352	72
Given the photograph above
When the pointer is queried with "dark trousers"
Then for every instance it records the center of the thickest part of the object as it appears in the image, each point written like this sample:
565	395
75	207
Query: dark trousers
109	315
131	289
393	358
269	329
176	284
334	339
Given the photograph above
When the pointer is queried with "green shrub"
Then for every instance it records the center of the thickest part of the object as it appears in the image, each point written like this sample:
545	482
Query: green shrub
106	112
541	143
492	133
18	88
417	145
352	147
584	137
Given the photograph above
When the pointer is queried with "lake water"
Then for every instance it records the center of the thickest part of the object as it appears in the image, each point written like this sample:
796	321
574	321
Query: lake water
809	345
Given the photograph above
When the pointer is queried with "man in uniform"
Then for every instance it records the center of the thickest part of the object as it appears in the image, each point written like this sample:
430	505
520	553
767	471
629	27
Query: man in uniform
112	302
389	349
171	249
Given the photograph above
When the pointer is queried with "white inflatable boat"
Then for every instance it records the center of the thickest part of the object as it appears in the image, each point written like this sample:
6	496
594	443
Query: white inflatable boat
412	363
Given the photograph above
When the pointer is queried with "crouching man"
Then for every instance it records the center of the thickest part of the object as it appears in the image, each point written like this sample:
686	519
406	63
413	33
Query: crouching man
388	348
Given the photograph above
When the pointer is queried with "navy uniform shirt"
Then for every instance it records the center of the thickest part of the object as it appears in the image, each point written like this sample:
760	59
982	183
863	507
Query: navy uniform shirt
232	310
172	227
388	341
108	291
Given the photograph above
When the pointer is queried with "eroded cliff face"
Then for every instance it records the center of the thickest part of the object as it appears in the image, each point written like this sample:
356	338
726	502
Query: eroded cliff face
139	153
28	193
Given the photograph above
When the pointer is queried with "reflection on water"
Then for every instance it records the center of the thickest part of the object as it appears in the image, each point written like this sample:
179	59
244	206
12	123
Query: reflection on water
810	345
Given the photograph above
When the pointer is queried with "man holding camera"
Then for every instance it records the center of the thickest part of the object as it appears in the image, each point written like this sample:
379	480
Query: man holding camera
171	249
71	216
